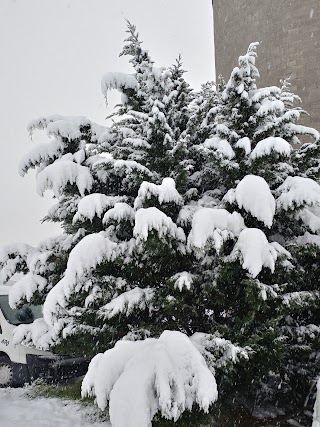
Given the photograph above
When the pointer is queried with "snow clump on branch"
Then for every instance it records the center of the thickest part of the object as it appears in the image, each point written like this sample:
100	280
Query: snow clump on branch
165	375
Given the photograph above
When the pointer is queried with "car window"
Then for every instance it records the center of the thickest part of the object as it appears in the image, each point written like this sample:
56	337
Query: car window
24	315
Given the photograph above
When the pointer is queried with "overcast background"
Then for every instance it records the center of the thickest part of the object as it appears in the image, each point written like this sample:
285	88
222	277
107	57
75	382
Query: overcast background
53	55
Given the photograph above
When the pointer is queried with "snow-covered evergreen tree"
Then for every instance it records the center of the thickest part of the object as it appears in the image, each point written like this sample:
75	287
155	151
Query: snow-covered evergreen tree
263	260
191	237
102	177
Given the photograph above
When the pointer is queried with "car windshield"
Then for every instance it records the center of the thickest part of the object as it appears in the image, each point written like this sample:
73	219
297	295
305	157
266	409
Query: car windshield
23	315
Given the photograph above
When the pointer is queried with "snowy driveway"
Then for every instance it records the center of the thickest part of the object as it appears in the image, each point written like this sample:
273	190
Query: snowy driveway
17	410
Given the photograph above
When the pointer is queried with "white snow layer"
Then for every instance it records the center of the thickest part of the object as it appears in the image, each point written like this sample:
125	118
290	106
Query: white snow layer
215	224
10	257
165	193
120	211
268	145
25	287
183	280
152	218
270	106
94	204
41	123
128	166
69	127
297	191
118	81
60	173
217	351
91	251
245	144
254	195
256	252
302	130
122	167
127	302
136	142
308	239
140	378
37	333
222	146
311	218
40	153
17	409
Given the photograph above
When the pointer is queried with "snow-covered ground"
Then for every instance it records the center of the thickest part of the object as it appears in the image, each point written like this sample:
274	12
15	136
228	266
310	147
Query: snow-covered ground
17	409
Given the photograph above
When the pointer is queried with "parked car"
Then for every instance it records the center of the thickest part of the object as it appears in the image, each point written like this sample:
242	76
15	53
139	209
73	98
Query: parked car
20	364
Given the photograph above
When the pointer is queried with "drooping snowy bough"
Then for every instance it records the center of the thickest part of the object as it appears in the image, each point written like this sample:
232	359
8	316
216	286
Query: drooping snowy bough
139	379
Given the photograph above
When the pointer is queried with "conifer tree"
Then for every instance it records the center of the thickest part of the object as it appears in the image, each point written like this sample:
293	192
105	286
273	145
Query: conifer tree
263	301
118	202
193	214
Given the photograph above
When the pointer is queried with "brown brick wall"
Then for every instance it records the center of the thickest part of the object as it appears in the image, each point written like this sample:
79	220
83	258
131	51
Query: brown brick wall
289	36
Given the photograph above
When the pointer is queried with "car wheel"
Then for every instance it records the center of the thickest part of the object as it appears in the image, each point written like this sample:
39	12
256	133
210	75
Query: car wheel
6	373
